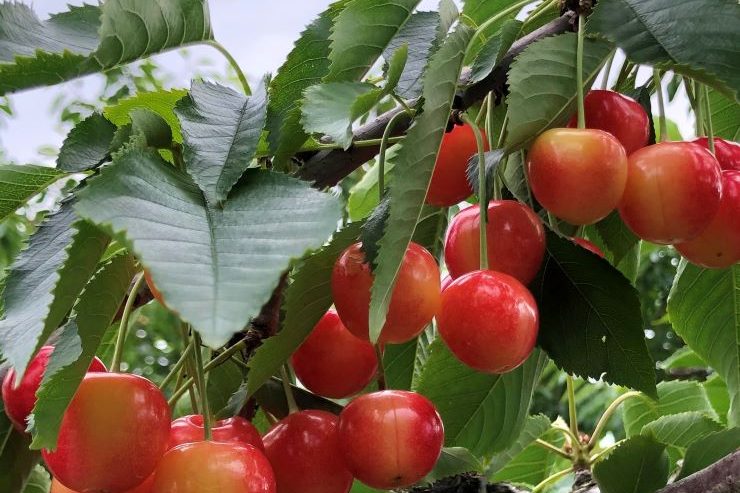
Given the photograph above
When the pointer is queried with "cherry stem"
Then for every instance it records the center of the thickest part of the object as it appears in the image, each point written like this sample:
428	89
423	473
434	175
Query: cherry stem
489	120
708	120
483	113
190	370
409	111
381	368
579	75
381	153
289	397
573	418
551	479
661	106
604	420
233	63
482	195
200	375
552	448
176	369
115	366
607	71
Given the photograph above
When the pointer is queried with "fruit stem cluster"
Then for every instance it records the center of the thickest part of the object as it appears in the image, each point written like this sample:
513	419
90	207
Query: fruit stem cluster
115	365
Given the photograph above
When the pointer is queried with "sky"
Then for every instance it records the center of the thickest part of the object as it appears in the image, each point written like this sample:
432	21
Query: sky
258	33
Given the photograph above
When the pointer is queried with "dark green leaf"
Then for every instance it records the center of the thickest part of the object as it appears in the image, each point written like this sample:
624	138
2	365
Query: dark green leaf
221	129
704	306
39	481
154	129
223	382
17	461
492	52
618	238
234	255
708	450
534	427
543	85
484	413
87	145
725	116
77	346
307	299
492	160
399	361
360	34
160	102
638	465
479	11
681	430
515	178
643	95
44	282
372	231
271	398
697	38
394	68
20	183
590	319
414	164
453	461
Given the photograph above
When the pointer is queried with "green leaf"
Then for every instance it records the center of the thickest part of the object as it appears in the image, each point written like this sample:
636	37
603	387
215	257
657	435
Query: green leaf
543	85
307	64
399	361
515	178
494	50
307	299
39	481
590	319
534	428
704	306
492	160
718	396
19	183
681	430
708	450
223	382
87	145
677	36
394	68
413	170
479	11
674	397
618	238
725	116
638	465
360	34
271	398
683	358
17	461
160	102
89	39
44	282
221	129
453	461
331	108
149	125
481	412
234	255
77	346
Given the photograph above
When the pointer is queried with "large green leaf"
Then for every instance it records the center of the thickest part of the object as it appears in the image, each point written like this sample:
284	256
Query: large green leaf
532	465
17	461
494	50
414	163
233	256
704	306
674	397
618	238
360	34
681	430
484	413
698	38
708	450
20	183
639	465
307	299
718	396
89	39
44	282
222	383
534	427
543	85
160	102
725	116
77	346
39	481
87	145
307	64
221	130
399	361
590	319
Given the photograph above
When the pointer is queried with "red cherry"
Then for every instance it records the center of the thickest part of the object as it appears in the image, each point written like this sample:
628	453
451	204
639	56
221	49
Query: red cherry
332	362
152	287
621	116
516	240
718	246
305	455
112	435
726	152
673	192
489	320
19	401
205	467
145	487
189	429
390	439
414	302
449	183
577	174
583	242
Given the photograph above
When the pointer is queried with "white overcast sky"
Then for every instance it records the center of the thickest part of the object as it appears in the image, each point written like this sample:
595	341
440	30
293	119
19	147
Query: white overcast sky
258	33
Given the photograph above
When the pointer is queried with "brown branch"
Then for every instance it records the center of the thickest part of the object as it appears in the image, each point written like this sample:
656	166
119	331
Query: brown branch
721	477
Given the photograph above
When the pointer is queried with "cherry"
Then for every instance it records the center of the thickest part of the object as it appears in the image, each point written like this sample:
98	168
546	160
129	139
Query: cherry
112	435
214	467
19	401
718	246
489	320
332	362
577	174
621	116
726	152
153	288
449	183
145	487
413	304
305	455
673	192
188	429
390	439
516	240
583	242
